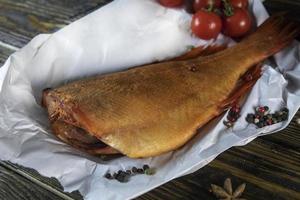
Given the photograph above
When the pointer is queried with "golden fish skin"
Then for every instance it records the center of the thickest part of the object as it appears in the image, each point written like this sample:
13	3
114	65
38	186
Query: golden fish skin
157	108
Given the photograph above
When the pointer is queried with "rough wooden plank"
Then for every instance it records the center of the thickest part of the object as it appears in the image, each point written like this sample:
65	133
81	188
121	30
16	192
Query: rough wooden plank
4	54
266	157
51	184
292	6
15	187
22	20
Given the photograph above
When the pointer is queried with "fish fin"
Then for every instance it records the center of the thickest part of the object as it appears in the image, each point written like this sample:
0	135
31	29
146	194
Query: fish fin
201	51
246	83
274	34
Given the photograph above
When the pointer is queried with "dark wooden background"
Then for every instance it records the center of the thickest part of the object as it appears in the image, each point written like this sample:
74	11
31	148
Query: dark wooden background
270	165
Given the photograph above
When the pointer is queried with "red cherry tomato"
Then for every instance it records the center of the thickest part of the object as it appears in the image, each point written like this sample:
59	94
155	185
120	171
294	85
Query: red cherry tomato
237	25
239	3
206	25
171	3
203	4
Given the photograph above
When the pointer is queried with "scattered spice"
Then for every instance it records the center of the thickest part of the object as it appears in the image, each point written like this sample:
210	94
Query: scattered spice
227	192
298	121
140	171
150	171
134	170
228	186
124	176
262	116
108	176
145	167
233	115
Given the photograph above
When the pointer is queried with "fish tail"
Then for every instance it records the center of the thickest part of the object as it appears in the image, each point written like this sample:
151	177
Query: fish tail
273	35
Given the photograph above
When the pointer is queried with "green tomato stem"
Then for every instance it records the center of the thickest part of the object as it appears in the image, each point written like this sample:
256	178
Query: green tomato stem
228	9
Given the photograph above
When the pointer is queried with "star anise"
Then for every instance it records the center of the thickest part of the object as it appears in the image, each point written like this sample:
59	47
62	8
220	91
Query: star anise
226	193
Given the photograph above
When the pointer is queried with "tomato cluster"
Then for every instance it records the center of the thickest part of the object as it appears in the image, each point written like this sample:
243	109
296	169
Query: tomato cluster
212	17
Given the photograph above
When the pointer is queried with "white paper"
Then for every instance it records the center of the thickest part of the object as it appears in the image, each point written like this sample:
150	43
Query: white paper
123	34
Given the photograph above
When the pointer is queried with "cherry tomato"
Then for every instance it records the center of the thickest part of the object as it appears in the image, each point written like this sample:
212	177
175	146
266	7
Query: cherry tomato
237	25
171	3
239	3
206	25
203	4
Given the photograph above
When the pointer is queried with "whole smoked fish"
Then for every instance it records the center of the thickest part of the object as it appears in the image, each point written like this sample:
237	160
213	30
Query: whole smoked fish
157	108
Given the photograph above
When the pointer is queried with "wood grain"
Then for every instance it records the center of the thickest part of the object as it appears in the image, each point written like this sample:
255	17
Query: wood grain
21	20
50	184
15	187
270	165
4	54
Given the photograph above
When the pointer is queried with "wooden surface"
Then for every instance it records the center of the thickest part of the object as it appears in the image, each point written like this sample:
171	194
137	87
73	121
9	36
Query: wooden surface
270	165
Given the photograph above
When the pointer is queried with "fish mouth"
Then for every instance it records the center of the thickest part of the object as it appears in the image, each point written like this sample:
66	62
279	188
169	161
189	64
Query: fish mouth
65	127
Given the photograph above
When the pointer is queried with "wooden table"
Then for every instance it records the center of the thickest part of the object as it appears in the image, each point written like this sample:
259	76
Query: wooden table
270	165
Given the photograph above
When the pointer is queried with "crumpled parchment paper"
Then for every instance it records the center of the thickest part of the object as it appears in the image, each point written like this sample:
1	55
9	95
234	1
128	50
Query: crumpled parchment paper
122	34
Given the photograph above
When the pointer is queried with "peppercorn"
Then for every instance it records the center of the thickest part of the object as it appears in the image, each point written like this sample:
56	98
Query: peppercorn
232	113
260	124
269	122
140	171
256	121
145	167
285	117
134	170
150	171
265	118
122	177
108	176
235	109
286	110
266	108
231	118
257	116
250	118
115	175
228	124
261	110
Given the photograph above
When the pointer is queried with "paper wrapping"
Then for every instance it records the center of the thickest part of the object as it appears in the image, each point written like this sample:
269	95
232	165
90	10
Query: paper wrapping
123	34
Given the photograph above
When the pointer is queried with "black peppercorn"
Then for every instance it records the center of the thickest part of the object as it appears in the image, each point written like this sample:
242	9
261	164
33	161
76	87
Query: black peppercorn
145	167
122	177
250	118
266	108
134	170
115	175
284	117
140	171
108	176
286	110
260	124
